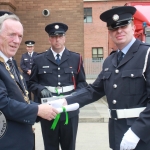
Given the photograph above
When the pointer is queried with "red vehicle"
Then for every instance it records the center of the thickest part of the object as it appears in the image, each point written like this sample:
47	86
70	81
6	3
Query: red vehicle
142	20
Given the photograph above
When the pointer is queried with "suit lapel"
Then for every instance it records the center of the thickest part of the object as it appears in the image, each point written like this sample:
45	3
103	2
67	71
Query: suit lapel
33	54
65	56
114	59
50	56
131	52
20	83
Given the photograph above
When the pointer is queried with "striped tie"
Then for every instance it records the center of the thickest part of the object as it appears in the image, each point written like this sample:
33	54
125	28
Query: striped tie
12	69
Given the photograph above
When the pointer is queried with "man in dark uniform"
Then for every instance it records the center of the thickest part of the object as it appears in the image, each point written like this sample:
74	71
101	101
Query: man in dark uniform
20	113
125	80
56	72
27	61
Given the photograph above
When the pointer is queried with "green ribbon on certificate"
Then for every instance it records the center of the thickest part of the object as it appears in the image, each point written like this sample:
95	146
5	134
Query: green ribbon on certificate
64	110
55	122
58	115
57	119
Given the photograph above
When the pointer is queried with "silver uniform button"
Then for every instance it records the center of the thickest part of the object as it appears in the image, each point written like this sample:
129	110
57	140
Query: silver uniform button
132	75
59	83
114	101
117	71
58	68
115	85
44	71
59	76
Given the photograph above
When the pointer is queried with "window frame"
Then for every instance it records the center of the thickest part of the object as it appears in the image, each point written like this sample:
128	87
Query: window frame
99	56
87	15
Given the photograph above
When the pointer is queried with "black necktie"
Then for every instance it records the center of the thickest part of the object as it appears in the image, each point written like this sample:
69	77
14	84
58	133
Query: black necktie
119	56
57	59
12	69
30	55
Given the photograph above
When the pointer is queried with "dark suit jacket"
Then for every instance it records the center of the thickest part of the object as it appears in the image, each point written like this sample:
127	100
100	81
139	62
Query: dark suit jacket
26	64
132	91
53	73
20	116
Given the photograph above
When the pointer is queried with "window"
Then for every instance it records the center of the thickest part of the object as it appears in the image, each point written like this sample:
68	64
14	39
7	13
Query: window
97	53
87	15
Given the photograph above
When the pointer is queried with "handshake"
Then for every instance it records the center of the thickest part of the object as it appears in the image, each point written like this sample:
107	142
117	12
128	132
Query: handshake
51	109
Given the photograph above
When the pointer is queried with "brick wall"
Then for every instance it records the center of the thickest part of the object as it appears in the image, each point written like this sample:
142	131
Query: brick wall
96	33
81	37
69	12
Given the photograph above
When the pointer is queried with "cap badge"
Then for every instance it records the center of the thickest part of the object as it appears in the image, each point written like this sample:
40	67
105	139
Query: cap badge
56	26
115	17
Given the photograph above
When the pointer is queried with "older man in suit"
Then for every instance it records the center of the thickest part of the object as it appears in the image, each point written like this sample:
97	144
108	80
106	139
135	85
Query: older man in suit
19	112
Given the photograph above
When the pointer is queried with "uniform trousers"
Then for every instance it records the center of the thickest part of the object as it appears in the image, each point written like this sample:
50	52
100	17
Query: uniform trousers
65	135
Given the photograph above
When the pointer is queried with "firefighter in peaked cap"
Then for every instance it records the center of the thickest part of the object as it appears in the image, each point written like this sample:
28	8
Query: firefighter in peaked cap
27	61
56	72
125	81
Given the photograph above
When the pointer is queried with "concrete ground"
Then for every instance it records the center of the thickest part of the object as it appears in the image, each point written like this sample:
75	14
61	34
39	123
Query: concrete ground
92	131
91	136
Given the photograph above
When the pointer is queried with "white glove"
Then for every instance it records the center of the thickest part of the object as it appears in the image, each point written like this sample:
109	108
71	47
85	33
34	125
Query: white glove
129	140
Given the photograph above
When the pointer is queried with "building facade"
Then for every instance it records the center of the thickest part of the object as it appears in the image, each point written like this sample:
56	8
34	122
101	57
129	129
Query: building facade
97	44
30	12
87	34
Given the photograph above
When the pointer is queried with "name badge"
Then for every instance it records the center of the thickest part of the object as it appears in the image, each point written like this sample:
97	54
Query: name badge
25	59
45	67
106	69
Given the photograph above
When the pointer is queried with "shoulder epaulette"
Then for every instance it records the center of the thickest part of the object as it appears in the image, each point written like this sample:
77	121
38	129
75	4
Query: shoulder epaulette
75	52
41	53
112	52
147	44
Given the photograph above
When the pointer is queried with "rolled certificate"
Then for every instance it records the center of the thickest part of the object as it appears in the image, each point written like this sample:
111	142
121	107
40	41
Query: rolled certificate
57	103
54	98
71	107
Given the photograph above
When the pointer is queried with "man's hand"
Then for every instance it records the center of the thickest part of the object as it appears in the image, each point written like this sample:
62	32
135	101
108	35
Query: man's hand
46	93
65	102
46	111
29	72
129	140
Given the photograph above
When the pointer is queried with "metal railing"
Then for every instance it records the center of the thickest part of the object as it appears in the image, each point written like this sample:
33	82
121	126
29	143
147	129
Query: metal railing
92	67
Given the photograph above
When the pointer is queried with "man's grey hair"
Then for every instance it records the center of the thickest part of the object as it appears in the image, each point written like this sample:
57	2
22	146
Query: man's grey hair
5	17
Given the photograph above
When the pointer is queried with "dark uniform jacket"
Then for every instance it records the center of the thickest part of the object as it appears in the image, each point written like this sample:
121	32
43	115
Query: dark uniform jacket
46	72
20	116
125	87
26	64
